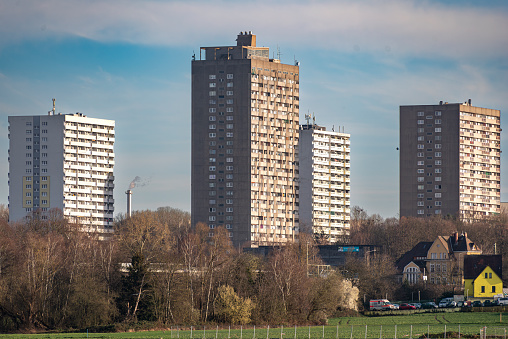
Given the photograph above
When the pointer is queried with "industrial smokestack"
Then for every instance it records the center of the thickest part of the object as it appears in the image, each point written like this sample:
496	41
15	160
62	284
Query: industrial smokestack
129	202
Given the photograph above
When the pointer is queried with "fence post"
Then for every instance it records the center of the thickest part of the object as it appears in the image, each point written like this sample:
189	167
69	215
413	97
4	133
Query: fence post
217	332
281	328
309	332
229	332
381	332
254	335
241	332
337	335
267	331
428	331
191	332
445	331
459	331
365	331
204	332
395	332
411	335
295	331
351	331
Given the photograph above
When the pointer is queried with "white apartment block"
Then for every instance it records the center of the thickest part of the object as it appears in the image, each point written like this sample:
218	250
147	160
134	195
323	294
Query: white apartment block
324	163
62	161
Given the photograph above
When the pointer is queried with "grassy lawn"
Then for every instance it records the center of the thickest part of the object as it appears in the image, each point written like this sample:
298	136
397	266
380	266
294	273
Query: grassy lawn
403	326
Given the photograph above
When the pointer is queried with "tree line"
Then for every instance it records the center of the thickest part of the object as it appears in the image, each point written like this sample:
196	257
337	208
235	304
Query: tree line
155	268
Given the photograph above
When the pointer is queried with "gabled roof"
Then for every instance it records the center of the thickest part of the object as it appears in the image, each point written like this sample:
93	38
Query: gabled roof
475	264
419	251
461	243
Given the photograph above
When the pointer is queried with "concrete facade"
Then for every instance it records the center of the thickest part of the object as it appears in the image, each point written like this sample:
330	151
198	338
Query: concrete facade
324	163
245	110
449	161
62	161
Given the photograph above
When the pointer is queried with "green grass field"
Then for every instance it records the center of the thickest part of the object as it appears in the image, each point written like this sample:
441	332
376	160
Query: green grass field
402	326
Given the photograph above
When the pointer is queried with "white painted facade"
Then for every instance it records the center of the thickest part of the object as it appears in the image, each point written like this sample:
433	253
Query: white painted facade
324	171
62	161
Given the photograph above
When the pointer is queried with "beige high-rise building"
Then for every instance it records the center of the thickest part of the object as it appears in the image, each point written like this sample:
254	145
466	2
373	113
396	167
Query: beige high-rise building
62	161
324	162
449	160
244	143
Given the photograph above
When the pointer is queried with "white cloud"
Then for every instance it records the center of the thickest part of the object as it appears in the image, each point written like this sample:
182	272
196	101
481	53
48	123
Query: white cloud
400	27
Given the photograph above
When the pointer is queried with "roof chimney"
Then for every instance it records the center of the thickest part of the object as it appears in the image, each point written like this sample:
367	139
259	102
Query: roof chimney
246	39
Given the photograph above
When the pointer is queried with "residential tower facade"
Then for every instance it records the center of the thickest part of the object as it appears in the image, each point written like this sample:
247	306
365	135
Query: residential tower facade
62	161
449	160
245	109
324	164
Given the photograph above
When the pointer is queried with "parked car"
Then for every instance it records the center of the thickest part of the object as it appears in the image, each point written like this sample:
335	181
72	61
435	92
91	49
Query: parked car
502	301
488	303
417	305
395	306
407	307
477	303
452	304
464	303
429	305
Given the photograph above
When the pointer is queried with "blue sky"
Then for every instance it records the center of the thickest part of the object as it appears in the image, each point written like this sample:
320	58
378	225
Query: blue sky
130	61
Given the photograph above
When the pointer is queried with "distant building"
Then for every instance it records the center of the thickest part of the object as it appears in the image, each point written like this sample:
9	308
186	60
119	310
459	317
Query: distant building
62	161
245	109
438	262
483	276
449	160
324	164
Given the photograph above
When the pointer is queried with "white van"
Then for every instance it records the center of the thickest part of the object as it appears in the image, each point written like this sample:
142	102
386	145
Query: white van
380	305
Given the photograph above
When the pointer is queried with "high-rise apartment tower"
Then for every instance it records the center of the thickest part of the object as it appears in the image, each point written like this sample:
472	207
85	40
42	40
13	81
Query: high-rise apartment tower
62	161
244	143
324	163
449	160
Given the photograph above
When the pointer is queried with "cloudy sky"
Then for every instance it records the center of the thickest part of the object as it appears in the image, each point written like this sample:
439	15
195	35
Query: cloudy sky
130	61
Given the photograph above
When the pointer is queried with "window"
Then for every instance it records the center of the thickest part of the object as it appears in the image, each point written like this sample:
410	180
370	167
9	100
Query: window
44	186
437	113
212	85
419	195
211	135
28	170
44	155
229	92
483	289
212	126
420	146
420	212
229	101
212	118
438	178
229	76
421	179
44	138
212	110
420	114
490	275
229	217
493	289
438	187
44	170
44	123
229	110
44	202
437	195
428	117
229	134
433	255
420	203
229	126
438	162
44	131
211	218
438	122
211	201
212	93
420	154
420	187
432	268
229	209
229	159
420	122
211	193
438	203
438	154
211	168
444	266
28	131
229	168
28	147
230	84
438	129
28	202
212	76
420	130
44	194
229	184
420	163
229	201
28	194
438	170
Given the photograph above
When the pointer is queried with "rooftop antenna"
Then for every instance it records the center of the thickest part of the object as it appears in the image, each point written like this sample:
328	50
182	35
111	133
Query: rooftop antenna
333	128
307	117
313	119
278	52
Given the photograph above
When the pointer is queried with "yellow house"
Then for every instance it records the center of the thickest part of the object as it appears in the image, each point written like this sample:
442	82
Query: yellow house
483	276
